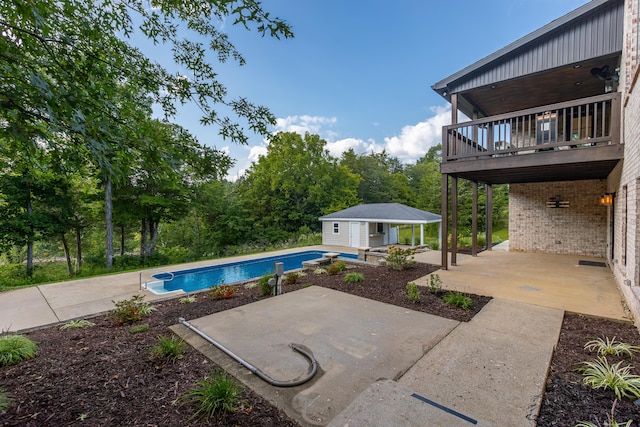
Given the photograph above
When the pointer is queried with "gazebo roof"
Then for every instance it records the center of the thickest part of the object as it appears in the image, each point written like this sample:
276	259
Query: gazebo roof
395	213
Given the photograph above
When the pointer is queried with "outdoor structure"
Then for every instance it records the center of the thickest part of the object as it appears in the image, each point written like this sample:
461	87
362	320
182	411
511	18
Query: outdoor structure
555	116
374	224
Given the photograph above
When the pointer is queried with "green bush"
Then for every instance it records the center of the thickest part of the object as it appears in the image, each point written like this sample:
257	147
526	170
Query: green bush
353	278
5	400
458	299
413	292
15	349
435	284
606	346
263	284
600	374
399	258
77	324
138	329
217	393
336	267
168	349
188	299
131	310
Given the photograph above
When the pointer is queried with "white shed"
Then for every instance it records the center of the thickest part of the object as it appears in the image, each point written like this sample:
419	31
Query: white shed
373	224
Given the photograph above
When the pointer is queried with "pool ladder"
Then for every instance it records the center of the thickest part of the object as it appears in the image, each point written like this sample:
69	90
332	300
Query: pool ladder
145	283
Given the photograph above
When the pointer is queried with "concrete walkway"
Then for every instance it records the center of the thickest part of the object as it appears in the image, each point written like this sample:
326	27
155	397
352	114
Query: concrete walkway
490	371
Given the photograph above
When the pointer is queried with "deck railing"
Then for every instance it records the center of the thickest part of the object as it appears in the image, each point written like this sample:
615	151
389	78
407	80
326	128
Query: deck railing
581	123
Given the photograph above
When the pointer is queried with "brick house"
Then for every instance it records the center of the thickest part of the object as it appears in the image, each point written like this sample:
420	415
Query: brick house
556	116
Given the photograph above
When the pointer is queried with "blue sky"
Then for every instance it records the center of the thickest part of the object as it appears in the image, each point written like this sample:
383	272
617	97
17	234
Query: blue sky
359	73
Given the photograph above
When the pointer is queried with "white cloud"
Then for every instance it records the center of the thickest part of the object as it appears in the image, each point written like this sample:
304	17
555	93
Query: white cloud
412	143
360	146
304	124
256	151
415	140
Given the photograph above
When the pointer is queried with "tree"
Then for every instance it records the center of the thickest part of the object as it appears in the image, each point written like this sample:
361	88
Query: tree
69	71
381	178
294	183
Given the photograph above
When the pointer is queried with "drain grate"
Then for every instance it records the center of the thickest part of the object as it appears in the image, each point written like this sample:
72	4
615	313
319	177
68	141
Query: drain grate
592	263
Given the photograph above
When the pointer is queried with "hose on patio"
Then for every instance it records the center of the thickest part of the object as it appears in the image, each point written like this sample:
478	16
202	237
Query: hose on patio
253	369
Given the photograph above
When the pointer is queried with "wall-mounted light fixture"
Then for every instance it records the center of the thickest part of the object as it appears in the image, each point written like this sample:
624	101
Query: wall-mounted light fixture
555	202
607	199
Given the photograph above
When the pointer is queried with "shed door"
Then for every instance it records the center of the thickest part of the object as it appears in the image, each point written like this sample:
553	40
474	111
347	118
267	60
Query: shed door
354	234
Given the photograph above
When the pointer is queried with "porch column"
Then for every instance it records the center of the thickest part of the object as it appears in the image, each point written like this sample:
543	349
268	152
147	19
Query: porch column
454	220
489	216
421	234
413	234
474	218
444	224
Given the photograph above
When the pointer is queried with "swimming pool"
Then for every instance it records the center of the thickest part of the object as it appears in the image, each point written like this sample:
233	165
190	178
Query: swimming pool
196	279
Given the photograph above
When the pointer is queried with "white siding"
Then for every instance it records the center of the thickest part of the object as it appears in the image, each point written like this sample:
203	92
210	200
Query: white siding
329	238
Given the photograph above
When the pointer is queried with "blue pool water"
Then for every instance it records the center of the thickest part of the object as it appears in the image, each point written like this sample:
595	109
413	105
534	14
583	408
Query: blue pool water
201	278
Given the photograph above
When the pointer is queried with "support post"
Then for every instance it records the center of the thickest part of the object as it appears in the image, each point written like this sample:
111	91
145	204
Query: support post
454	220
474	219
444	225
489	216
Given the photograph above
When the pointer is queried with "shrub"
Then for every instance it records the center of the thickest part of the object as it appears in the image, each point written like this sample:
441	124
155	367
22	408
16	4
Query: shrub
222	292
130	310
265	287
353	278
168	349
399	258
15	349
600	374
336	268
413	292
76	324
188	299
606	346
320	271
435	284
291	278
5	401
139	329
458	299
217	393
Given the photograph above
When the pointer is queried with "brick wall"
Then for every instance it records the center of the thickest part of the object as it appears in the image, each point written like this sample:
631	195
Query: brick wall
626	182
580	229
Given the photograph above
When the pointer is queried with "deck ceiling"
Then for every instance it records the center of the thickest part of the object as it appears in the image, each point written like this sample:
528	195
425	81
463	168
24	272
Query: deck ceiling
590	163
553	86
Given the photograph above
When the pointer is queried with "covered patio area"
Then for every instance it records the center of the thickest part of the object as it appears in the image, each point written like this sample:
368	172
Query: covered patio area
567	282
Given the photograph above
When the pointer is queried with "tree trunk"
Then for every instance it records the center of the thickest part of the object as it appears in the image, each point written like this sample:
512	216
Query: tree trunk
122	240
67	255
30	237
154	234
78	250
108	212
144	236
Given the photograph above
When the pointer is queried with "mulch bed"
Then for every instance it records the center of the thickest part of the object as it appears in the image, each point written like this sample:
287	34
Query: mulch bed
103	376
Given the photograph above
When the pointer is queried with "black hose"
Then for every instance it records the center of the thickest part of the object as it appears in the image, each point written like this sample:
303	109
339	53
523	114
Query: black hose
253	369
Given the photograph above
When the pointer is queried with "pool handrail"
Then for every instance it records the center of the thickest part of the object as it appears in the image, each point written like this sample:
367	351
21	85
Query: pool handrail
162	272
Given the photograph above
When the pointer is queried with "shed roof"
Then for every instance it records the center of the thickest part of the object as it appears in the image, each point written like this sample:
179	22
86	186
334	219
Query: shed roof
395	213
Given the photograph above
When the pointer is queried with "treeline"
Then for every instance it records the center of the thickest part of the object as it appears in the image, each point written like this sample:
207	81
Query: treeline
173	201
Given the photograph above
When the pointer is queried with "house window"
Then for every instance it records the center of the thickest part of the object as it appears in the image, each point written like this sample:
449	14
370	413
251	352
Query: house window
380	228
336	228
